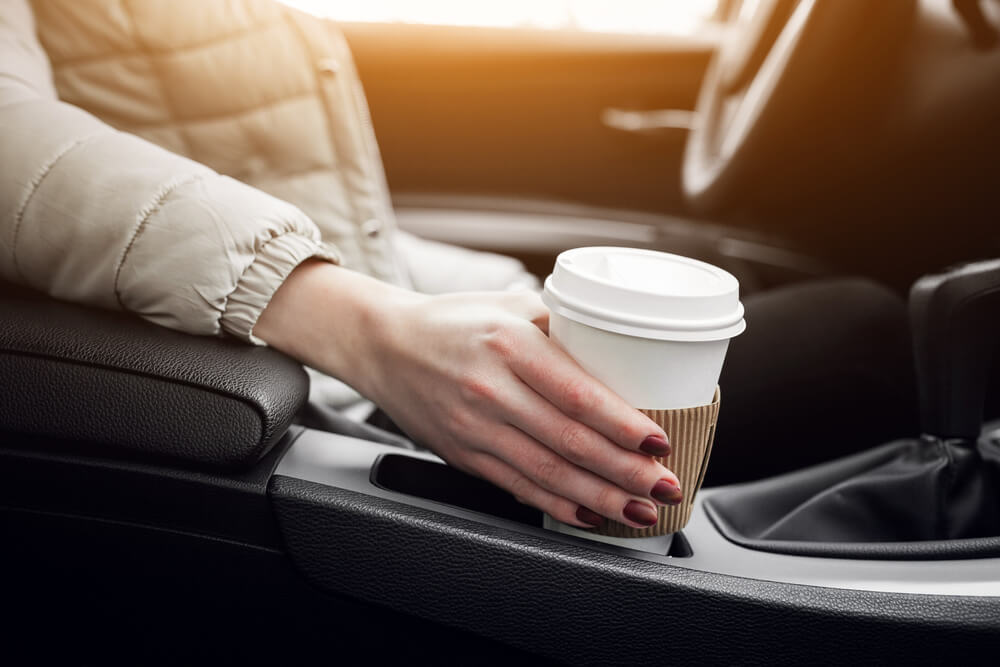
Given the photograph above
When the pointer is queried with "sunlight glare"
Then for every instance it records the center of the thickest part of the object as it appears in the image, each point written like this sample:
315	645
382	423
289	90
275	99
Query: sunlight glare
675	17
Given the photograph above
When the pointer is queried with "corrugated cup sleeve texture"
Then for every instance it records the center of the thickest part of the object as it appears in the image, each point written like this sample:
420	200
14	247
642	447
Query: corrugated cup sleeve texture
691	432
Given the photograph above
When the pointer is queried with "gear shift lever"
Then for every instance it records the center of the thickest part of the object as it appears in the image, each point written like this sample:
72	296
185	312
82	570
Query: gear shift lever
955	319
928	497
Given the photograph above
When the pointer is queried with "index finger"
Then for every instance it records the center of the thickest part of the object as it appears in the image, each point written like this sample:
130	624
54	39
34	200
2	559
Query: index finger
551	372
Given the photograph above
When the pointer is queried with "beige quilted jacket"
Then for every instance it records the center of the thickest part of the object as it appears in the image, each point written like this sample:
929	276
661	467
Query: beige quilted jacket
178	158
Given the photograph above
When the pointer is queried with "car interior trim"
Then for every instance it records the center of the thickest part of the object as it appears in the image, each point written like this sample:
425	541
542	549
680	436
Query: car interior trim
346	463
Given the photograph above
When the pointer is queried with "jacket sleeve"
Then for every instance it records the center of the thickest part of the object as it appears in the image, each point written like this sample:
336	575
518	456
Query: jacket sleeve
97	216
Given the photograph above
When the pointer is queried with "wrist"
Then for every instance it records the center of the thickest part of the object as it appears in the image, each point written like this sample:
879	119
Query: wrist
333	319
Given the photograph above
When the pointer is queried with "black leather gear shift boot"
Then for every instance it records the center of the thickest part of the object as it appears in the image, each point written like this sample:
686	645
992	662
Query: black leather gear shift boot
936	496
910	499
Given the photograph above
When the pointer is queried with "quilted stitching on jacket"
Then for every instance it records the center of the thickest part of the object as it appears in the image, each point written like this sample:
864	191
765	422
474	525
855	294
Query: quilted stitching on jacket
234	86
35	184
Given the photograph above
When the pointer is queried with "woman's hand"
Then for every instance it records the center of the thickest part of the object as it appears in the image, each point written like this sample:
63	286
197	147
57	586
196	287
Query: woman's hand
474	377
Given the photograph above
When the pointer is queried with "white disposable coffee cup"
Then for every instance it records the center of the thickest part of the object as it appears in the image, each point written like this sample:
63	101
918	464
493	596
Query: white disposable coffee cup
652	326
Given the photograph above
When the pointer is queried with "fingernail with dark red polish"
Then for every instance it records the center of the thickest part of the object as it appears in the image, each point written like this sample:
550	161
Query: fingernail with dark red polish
667	493
587	516
640	513
654	445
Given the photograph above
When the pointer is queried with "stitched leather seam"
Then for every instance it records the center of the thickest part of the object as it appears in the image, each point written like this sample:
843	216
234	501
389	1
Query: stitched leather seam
35	185
146	50
253	405
145	214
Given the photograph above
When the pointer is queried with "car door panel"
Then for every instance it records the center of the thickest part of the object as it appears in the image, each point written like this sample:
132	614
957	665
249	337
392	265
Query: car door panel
501	111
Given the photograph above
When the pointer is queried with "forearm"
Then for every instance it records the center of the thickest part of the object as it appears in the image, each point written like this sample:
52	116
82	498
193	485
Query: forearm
474	377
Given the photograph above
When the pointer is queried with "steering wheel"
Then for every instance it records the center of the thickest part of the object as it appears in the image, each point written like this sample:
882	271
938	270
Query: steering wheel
748	86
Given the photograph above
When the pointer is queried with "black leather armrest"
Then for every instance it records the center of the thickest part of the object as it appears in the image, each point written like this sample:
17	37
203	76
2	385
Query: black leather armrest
110	381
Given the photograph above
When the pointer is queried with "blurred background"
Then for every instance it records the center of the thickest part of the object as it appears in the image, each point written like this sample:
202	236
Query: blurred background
629	16
531	127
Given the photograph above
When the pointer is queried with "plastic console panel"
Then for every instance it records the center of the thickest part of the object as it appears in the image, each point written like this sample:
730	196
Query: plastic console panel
593	603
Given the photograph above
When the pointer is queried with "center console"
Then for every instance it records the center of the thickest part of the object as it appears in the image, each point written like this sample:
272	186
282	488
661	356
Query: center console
436	552
385	540
895	554
425	483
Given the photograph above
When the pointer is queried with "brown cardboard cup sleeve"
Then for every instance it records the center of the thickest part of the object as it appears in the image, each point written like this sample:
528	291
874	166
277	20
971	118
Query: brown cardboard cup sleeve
691	432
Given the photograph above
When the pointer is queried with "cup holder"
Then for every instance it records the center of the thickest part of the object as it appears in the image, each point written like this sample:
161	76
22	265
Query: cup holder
443	484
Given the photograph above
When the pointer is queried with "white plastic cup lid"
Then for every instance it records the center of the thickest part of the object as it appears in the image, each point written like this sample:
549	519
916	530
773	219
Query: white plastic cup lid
645	293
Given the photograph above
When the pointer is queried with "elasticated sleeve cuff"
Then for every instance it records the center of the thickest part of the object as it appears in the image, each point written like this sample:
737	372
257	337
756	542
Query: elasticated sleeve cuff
272	264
